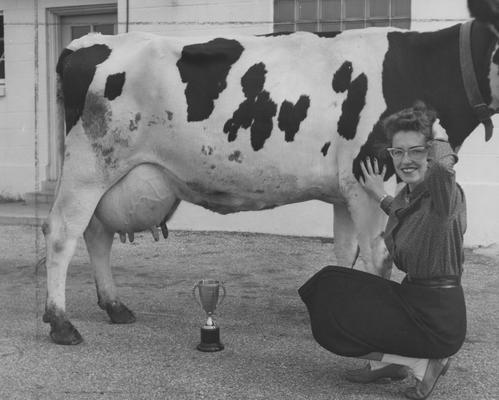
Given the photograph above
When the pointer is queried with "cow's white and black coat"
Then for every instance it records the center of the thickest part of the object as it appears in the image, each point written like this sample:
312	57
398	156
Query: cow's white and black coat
239	123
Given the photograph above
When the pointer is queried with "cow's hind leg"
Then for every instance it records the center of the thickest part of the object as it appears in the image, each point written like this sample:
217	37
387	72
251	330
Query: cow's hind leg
99	240
66	222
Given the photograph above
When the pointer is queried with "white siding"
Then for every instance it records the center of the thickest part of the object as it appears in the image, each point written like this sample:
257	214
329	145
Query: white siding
191	17
17	105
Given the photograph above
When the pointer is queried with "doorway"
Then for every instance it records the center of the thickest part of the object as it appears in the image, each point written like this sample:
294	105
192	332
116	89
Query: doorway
64	25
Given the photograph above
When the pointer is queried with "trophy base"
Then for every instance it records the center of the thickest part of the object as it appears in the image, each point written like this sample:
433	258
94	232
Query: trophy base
210	339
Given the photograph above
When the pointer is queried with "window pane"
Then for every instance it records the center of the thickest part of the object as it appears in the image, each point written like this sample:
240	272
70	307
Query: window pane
306	27
331	10
353	24
79	31
401	8
355	9
284	10
378	22
330	27
401	23
282	27
379	8
105	29
2	61
307	9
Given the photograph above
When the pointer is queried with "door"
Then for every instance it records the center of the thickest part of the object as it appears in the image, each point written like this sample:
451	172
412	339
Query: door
68	23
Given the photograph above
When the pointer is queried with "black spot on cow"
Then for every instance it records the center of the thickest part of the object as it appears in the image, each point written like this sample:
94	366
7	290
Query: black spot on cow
77	70
114	85
207	150
342	77
256	111
290	116
265	109
236	156
134	123
352	106
169	115
204	67
106	152
96	116
325	148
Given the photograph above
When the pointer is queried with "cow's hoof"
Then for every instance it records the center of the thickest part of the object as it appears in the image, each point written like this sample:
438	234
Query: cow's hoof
63	332
119	313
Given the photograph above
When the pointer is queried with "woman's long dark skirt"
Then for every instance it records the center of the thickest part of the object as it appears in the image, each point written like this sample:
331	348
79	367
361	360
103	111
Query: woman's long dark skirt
353	313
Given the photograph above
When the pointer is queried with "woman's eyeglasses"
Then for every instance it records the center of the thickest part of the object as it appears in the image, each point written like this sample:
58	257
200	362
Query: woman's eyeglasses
416	153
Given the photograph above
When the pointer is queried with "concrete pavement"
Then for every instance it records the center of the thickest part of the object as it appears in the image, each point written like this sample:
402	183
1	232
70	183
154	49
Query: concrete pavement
269	350
21	213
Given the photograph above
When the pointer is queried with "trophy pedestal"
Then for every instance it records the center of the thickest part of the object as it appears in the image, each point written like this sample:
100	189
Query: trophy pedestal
210	339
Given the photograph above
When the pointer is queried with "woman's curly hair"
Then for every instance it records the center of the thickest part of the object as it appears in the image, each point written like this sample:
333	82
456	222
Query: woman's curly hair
418	118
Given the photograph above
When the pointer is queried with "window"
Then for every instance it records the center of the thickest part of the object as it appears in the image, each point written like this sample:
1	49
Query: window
2	48
78	31
338	15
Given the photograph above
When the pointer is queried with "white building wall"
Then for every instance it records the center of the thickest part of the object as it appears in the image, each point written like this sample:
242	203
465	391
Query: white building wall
16	103
194	18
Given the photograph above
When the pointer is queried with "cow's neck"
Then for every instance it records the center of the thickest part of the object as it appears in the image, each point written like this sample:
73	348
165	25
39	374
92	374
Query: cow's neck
426	66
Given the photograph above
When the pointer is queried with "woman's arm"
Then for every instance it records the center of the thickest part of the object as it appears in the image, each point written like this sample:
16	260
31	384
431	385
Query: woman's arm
441	177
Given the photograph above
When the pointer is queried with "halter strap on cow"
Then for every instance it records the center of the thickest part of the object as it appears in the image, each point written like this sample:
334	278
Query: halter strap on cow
475	99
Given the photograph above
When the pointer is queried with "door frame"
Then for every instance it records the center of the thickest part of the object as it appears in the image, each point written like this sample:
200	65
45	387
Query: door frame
55	119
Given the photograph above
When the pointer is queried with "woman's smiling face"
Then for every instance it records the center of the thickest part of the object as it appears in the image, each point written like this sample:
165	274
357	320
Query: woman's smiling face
410	159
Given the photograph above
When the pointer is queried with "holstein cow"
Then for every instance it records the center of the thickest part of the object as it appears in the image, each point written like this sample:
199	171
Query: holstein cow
239	123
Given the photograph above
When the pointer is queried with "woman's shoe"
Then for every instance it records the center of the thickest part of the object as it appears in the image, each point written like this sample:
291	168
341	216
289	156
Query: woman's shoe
366	375
424	388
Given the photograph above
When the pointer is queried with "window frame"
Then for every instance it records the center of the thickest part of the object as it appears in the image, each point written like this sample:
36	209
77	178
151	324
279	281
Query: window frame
320	22
2	56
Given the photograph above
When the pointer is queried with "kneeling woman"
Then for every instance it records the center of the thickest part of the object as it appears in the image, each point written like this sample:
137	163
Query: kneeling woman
420	322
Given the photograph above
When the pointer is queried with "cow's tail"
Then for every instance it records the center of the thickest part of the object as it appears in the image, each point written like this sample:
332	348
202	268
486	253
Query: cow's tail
61	110
357	253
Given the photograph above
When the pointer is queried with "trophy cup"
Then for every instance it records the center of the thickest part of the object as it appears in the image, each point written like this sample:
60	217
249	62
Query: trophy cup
209	298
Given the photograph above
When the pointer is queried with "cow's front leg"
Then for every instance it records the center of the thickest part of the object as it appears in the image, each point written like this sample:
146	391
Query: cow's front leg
99	240
370	223
345	236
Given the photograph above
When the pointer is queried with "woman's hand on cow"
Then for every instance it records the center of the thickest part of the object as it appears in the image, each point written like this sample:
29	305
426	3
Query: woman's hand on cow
438	132
372	179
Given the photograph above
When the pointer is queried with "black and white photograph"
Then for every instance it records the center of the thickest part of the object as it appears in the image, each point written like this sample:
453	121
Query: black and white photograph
249	199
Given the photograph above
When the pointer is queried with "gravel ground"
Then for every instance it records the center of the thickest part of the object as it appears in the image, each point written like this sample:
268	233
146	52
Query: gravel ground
269	350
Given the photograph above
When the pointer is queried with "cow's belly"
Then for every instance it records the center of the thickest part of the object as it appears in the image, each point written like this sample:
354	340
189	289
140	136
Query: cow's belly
226	186
148	193
138	201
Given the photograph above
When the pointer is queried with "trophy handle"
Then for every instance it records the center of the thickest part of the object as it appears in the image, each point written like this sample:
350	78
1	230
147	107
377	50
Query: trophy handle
194	293
223	293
